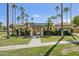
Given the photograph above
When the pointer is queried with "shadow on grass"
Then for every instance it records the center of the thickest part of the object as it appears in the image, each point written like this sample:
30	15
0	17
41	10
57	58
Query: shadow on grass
74	38
52	48
75	41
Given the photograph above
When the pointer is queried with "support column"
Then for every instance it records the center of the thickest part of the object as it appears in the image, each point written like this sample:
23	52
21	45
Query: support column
41	31
31	32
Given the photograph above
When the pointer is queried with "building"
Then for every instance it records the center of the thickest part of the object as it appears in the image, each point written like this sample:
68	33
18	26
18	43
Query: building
33	28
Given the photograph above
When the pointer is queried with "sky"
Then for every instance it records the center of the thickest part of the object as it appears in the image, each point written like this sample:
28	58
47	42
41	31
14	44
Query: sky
40	11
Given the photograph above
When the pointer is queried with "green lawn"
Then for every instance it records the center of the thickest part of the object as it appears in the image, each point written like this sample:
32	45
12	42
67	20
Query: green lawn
56	38
2	33
14	41
60	50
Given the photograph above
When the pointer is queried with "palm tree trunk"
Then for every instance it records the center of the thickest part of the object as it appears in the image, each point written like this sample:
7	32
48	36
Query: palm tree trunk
62	19
15	16
57	16
71	13
12	20
66	18
8	36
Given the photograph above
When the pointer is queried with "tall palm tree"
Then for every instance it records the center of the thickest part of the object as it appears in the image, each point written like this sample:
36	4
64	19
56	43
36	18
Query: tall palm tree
18	19
71	13
62	19
26	15
49	24
66	9
22	14
14	7
8	36
53	18
59	16
32	19
57	9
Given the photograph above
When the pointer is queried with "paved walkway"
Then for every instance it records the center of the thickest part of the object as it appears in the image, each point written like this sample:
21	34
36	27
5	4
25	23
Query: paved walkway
12	47
35	41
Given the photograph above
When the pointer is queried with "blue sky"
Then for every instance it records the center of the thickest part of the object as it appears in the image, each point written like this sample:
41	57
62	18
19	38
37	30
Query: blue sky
40	11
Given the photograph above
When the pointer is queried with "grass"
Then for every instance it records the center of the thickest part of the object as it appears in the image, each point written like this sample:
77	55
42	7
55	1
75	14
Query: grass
56	38
14	41
60	50
2	33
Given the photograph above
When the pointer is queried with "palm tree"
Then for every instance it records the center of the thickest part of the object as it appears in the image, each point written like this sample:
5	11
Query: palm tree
26	15
18	19
32	19
59	16
57	9
62	19
13	15
71	13
22	14
1	24
66	9
14	6
53	18
8	36
49	24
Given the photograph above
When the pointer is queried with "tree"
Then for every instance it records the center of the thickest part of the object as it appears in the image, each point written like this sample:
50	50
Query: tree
71	13
76	20
13	15
66	9
53	18
14	6
8	36
26	15
18	19
49	25
59	16
57	9
62	19
32	18
22	14
1	24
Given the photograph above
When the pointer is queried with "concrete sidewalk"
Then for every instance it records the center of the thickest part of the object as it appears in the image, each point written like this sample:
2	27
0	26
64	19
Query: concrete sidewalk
35	41
12	47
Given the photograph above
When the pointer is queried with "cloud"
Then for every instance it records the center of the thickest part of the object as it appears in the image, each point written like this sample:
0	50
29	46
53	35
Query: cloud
36	16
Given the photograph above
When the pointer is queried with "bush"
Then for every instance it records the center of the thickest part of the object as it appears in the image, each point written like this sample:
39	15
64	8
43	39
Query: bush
27	32
22	32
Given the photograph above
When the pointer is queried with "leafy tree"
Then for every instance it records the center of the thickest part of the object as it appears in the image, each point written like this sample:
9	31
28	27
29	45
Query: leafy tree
1	24
76	20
